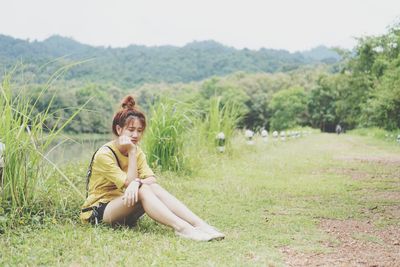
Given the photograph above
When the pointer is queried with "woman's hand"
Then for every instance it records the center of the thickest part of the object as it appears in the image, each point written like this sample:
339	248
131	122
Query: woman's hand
131	194
126	145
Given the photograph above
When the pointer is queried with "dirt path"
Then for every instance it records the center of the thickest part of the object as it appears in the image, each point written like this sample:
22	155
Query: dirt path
373	239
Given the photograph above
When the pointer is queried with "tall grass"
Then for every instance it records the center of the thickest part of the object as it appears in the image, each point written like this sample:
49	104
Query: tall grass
200	141
178	135
26	139
218	118
165	135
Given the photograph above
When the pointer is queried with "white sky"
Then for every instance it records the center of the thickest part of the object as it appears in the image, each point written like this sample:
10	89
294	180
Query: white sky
285	24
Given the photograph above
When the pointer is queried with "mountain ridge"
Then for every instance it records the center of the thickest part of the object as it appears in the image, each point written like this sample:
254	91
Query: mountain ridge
137	64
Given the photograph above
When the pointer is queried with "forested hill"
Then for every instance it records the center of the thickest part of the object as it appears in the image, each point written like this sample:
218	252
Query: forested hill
136	64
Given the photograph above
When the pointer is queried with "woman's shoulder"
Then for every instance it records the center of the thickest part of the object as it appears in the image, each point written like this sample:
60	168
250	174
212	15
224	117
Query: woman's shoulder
104	151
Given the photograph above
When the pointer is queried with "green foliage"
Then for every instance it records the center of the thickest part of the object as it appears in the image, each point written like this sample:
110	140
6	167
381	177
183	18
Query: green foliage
288	109
359	91
225	91
165	134
22	169
135	65
250	93
383	107
26	143
322	104
220	117
353	93
95	118
98	111
378	133
368	87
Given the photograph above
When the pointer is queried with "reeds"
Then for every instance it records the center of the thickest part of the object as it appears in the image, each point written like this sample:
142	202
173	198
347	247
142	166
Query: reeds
26	138
219	118
164	139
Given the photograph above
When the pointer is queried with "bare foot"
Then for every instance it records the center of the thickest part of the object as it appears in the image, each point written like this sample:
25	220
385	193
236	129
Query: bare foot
194	234
214	233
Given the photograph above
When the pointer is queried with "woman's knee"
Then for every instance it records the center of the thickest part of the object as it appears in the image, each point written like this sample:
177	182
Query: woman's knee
155	186
144	191
157	189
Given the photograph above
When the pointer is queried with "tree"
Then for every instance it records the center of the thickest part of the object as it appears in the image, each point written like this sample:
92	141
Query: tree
288	108
322	105
383	108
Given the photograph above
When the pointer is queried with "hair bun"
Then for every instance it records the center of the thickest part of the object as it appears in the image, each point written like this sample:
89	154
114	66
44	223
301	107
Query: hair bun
128	102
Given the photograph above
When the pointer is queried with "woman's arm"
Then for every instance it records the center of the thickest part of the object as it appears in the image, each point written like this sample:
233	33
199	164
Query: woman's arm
132	172
149	180
132	186
126	147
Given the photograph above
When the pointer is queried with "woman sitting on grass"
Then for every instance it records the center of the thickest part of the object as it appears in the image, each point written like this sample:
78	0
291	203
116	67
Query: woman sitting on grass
121	186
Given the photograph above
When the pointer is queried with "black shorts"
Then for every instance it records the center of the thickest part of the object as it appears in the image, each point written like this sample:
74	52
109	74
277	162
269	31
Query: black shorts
130	220
97	214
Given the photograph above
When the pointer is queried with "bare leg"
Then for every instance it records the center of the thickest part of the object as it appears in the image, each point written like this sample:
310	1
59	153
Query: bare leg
176	206
158	211
183	212
155	208
133	218
117	213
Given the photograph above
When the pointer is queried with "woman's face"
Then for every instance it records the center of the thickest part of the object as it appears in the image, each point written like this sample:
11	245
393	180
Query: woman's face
133	129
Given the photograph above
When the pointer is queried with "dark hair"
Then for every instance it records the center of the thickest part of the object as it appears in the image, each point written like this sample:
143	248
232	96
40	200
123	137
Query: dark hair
127	113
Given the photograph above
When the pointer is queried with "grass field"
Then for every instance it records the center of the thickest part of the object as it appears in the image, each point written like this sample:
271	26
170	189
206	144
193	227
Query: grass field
298	202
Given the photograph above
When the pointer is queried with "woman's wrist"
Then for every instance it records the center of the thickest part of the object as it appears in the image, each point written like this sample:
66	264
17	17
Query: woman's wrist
149	180
139	181
132	151
133	183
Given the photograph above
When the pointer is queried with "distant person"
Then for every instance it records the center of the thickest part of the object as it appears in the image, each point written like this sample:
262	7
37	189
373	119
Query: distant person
121	187
338	129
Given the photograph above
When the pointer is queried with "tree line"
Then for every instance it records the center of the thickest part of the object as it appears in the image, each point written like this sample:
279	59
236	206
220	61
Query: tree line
360	90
